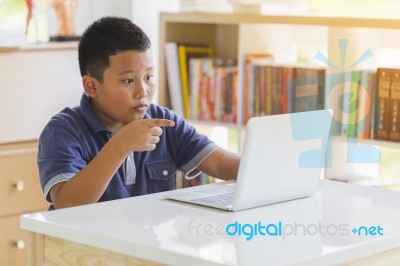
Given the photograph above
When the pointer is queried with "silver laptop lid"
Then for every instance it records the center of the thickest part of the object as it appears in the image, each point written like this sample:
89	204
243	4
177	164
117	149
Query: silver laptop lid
282	158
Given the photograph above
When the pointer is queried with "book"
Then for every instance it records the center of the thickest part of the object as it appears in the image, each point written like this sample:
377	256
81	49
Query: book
364	98
250	61
394	132
185	52
266	91
382	104
220	78
213	89
205	97
276	90
258	90
174	77
195	77
309	89
369	111
286	89
353	104
230	97
344	102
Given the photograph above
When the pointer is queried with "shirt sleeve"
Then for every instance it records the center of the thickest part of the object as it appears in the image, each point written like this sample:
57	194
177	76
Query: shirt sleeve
60	157
191	147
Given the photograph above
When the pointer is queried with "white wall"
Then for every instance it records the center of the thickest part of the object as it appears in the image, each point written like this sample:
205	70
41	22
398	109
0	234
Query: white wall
35	85
145	14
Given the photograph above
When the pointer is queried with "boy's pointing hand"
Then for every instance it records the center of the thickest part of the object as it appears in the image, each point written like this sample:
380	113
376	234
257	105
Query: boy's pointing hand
141	135
153	122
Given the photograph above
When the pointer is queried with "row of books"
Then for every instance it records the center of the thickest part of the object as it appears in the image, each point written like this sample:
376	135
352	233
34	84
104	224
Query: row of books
213	90
201	87
275	89
356	103
367	105
370	104
204	88
177	58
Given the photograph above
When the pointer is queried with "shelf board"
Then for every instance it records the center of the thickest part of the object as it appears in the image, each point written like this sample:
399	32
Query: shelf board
374	142
214	124
312	20
393	183
41	46
380	143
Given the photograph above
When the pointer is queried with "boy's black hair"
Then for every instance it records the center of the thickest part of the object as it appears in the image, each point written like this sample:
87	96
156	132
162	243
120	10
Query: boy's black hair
106	37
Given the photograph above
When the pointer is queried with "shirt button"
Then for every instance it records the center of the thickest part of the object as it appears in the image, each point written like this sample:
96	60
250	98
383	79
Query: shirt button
165	172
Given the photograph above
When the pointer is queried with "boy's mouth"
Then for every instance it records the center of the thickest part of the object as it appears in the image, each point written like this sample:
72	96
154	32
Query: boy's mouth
141	107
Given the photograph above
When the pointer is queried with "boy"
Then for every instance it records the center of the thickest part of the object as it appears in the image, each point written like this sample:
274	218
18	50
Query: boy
113	146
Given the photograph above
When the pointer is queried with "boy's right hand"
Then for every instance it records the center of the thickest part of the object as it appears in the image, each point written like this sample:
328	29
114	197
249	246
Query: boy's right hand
141	135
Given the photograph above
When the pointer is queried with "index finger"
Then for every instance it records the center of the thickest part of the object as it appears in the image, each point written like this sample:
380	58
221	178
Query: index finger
153	122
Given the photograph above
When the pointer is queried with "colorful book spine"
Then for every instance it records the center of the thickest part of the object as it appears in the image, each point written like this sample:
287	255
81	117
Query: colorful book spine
174	77
364	99
250	60
284	91
195	73
382	104
353	106
371	90
344	103
309	89
394	133
185	53
268	90
289	86
362	103
276	90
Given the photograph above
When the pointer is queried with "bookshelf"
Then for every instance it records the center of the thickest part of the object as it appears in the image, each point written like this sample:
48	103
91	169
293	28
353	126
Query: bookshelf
284	36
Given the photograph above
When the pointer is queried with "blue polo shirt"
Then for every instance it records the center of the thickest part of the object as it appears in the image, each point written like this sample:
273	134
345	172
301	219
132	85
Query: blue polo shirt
74	137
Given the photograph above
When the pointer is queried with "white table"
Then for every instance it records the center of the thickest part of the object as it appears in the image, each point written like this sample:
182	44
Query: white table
148	230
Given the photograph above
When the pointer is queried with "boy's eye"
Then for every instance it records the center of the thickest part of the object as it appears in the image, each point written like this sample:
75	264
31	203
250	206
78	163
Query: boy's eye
128	81
150	77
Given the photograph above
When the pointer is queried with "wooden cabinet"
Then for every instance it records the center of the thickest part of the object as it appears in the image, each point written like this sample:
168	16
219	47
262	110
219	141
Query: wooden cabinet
20	193
37	81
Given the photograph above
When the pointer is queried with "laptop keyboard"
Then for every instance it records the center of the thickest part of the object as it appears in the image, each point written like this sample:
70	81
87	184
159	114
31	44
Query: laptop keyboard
221	199
218	190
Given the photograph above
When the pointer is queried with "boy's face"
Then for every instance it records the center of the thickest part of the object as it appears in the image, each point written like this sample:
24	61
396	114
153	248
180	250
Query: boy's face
127	89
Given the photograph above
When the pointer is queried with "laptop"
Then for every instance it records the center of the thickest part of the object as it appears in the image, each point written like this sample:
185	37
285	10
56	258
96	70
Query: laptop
282	159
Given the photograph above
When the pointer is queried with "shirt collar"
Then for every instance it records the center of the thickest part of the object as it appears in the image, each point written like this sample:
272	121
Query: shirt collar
89	115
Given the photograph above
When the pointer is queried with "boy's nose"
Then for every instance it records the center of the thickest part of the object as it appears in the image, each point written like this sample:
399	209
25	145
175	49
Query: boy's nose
140	91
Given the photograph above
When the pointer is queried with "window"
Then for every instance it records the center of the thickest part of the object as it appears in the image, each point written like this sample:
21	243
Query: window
13	14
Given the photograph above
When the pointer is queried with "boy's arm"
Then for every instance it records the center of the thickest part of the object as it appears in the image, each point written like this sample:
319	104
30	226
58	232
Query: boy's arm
89	184
221	164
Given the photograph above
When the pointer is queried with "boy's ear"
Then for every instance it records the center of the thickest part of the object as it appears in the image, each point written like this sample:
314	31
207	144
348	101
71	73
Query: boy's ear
89	85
